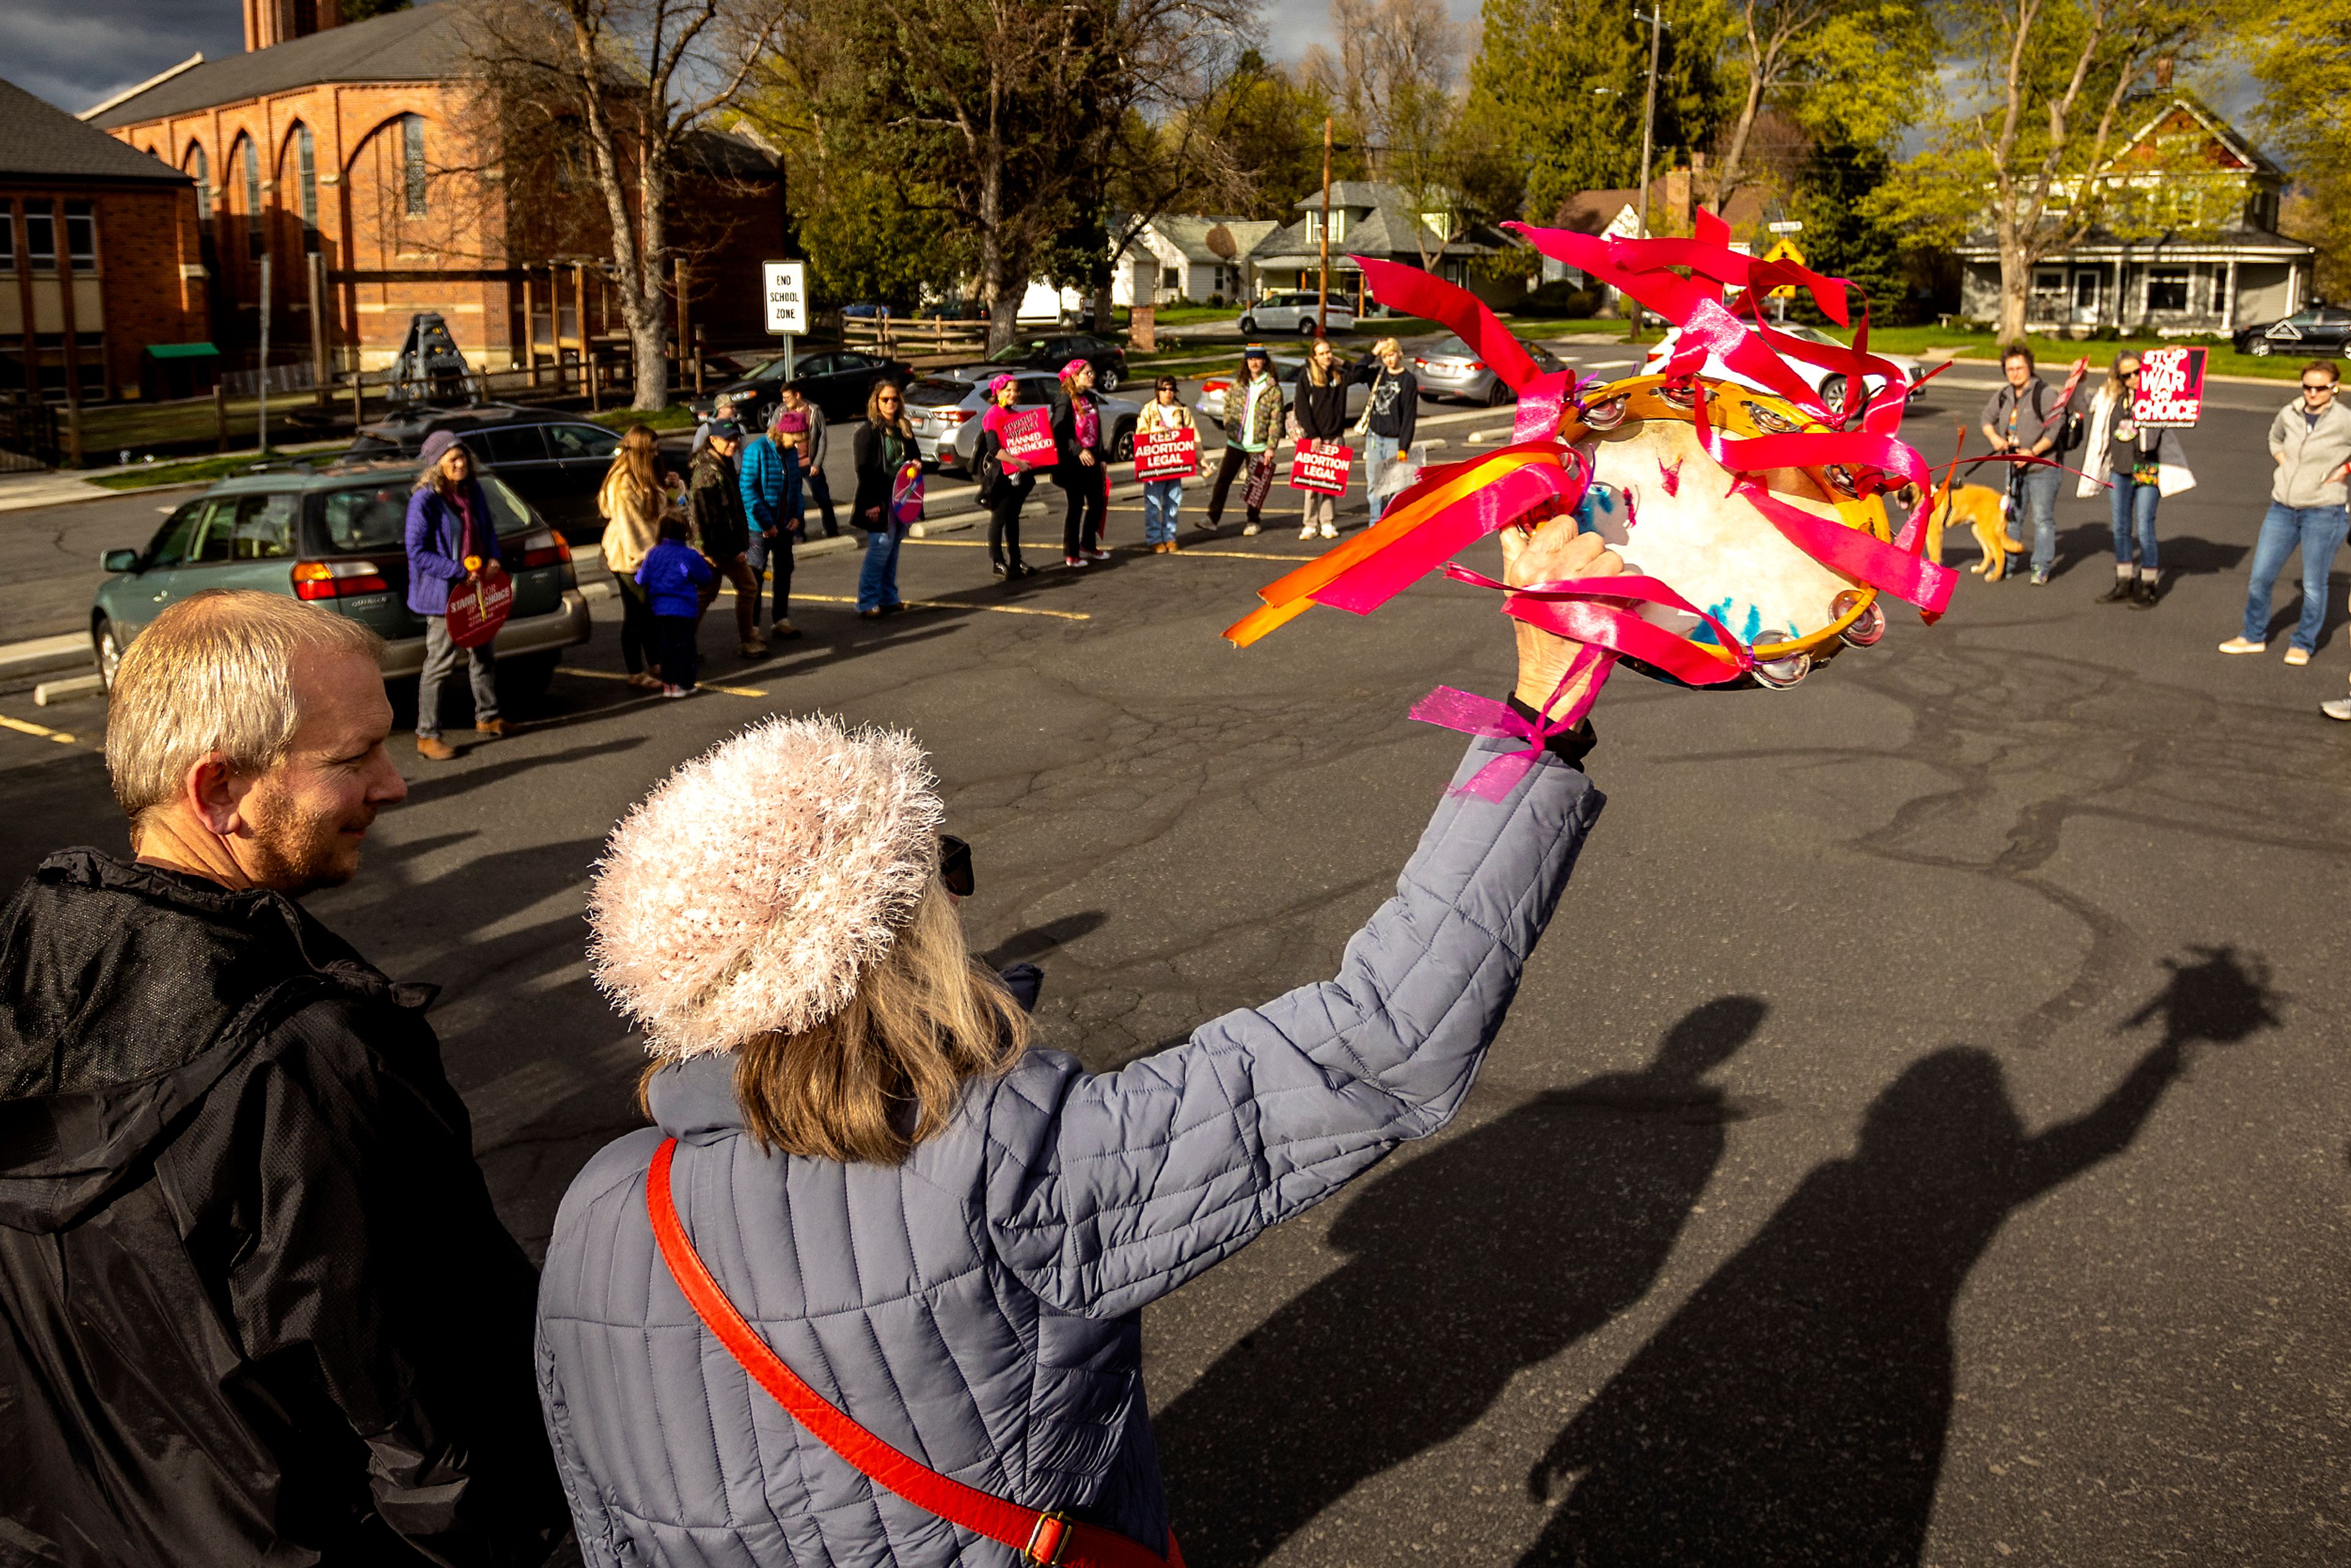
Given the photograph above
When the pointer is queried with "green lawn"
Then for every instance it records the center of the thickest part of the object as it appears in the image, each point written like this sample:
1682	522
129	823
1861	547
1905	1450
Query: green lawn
205	470
676	416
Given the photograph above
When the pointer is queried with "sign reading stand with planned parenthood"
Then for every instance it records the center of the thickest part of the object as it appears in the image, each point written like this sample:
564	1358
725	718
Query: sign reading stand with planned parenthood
2170	387
785	291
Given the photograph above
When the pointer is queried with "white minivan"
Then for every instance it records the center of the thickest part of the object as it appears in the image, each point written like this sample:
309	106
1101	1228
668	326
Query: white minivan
1295	312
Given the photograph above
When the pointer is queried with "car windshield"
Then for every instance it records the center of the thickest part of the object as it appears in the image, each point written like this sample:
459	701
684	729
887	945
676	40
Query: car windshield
766	371
1452	346
1016	353
931	392
361	519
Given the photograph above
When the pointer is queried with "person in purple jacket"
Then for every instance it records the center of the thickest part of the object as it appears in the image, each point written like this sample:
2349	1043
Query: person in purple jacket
448	520
679	584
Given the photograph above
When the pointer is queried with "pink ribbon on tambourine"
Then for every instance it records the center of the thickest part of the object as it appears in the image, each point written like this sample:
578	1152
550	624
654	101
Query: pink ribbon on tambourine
1450	708
1576	608
1532	490
1421	295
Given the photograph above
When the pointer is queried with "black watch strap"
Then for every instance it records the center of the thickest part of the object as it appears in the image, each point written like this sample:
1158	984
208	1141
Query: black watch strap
1569	746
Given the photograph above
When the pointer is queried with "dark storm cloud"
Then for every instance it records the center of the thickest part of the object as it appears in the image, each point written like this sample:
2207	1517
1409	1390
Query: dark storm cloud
75	53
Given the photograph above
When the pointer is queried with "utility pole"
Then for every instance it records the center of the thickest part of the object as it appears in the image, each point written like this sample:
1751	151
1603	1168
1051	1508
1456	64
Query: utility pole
1323	300
1648	136
261	426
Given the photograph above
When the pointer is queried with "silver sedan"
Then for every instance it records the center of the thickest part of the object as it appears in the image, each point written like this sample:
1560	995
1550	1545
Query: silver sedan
1451	368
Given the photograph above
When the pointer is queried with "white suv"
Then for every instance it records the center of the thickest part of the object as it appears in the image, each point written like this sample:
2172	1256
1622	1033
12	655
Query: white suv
1295	313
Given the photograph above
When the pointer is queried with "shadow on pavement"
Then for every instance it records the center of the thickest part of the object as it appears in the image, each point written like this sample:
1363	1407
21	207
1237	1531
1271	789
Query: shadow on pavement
1494	1251
1794	1411
443	784
1036	940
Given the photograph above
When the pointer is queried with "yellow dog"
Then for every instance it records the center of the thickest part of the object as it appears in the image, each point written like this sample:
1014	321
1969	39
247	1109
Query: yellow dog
1985	512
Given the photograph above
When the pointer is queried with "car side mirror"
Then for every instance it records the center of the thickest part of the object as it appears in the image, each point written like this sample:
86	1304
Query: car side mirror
119	561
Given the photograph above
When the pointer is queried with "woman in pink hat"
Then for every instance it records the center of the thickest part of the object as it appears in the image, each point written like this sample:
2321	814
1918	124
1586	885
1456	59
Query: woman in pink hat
1083	472
1002	492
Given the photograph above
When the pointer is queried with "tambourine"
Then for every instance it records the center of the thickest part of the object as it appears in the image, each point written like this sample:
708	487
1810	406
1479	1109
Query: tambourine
1755	542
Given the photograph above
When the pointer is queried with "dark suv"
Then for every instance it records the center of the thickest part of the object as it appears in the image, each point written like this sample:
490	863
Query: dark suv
557	462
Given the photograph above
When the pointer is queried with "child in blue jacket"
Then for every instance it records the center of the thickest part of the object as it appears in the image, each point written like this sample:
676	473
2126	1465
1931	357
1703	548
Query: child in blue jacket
678	582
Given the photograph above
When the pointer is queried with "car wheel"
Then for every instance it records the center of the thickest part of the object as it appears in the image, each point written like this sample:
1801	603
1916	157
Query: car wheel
1122	446
1833	393
1499	393
1306	326
1249	325
524	680
2259	347
108	648
1107	379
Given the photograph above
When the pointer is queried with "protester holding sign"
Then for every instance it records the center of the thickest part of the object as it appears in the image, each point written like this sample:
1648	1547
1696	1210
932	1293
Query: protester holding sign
883	446
1004	483
1322	420
1164	417
1252	416
449	527
1084	469
2142	462
2310	441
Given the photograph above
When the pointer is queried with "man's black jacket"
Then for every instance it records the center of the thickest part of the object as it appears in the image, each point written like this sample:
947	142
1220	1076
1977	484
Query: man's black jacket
257	1306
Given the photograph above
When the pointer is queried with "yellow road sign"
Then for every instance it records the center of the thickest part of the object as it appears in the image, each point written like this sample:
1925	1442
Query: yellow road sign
1785	250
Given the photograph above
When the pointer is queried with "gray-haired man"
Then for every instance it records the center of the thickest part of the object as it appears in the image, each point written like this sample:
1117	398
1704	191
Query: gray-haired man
257	1308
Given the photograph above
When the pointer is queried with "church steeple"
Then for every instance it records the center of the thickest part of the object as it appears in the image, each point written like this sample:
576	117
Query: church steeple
273	22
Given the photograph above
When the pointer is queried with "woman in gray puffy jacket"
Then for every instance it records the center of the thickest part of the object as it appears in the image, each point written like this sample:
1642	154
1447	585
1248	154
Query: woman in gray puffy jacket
860	1169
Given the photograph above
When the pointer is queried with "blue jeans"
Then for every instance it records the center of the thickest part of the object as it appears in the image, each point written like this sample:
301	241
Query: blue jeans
877	579
1379	452
2133	504
2317	532
1162	499
2033	491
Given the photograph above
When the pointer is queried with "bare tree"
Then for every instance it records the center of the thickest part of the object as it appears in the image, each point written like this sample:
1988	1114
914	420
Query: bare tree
1395	76
635	80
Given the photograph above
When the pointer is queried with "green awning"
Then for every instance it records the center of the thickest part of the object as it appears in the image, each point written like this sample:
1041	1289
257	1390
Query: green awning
182	351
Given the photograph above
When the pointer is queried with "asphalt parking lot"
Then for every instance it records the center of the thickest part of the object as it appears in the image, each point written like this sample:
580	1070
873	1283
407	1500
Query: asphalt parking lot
1924	1136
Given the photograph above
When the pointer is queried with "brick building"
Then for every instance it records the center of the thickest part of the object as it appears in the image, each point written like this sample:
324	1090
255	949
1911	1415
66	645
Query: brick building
98	256
358	145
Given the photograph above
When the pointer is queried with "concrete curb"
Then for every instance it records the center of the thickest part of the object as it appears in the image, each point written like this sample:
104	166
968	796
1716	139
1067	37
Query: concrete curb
39	655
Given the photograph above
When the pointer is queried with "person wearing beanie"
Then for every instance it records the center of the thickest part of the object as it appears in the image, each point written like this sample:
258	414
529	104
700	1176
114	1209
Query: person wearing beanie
1083	468
676	580
451	535
1002	492
933	1240
714	501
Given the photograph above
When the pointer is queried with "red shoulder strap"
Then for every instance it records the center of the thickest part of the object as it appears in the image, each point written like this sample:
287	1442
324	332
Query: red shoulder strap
1040	1538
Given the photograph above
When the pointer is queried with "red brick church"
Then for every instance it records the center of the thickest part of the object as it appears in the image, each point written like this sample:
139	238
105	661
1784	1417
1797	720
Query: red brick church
350	143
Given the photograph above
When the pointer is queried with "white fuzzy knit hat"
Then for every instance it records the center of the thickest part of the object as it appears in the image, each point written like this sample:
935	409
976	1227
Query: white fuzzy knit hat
752	888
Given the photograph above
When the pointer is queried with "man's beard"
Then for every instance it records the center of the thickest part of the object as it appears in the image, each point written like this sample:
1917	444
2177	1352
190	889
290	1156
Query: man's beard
294	852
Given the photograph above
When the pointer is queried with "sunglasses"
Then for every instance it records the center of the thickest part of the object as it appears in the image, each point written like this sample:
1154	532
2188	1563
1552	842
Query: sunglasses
2318	386
954	865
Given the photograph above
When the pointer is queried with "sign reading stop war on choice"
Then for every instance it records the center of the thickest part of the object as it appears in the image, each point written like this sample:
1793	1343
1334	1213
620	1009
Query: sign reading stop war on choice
1321	466
1166	455
1028	440
785	289
2170	387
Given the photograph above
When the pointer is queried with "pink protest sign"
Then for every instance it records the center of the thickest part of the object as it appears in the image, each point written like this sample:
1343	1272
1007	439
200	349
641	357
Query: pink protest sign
2170	387
1028	440
1166	455
1321	466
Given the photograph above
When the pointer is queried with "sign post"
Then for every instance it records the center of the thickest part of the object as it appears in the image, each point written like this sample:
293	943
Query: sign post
785	289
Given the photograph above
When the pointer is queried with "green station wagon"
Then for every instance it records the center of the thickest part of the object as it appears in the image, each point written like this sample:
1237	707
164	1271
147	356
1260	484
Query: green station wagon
337	539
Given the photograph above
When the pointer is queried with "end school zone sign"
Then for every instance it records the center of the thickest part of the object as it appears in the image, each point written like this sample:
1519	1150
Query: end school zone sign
784	285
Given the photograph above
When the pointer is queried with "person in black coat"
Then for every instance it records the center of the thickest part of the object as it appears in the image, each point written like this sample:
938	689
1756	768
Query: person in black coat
713	501
1084	469
1322	410
1001	492
256	1307
883	447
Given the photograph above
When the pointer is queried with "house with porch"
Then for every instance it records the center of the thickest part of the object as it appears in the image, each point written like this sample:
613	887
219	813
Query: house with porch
1192	259
2192	249
1378	219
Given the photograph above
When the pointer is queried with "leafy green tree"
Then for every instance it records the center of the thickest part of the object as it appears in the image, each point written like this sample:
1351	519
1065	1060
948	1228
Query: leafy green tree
1851	73
2301	56
1569	79
2025	146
